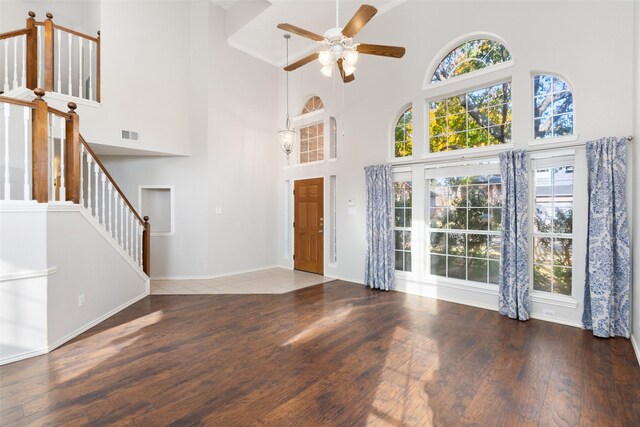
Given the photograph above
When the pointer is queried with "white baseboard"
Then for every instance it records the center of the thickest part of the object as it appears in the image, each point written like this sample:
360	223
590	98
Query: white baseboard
75	333
233	273
636	348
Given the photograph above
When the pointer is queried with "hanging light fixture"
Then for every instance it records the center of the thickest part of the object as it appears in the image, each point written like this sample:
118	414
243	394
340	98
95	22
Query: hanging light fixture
287	136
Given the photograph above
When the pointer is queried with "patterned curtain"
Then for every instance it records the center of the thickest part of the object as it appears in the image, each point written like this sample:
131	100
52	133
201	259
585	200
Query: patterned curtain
379	269
513	299
608	275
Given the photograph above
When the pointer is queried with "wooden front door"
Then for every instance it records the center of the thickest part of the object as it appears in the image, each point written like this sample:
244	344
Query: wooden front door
308	225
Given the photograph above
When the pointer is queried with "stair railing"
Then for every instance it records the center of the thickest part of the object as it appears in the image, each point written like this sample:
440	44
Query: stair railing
44	158
52	57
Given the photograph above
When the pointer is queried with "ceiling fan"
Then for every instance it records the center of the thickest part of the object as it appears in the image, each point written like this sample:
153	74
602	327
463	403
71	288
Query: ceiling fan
338	45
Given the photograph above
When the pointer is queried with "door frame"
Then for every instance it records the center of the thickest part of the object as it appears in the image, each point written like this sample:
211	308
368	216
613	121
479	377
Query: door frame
292	215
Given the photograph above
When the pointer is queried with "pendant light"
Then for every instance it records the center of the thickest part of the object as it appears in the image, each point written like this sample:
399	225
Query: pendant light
287	136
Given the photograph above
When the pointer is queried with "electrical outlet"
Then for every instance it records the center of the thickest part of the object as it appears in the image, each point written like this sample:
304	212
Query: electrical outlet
81	300
549	313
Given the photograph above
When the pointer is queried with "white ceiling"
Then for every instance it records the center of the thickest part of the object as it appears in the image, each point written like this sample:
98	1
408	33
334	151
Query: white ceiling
260	38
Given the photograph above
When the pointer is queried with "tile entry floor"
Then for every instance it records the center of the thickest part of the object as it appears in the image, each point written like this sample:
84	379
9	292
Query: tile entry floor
270	281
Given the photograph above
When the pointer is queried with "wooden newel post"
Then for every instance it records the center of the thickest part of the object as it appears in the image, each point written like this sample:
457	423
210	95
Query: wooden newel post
39	153
32	52
146	247
48	53
72	167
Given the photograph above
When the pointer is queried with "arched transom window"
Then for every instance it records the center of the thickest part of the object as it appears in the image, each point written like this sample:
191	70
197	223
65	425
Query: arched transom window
313	104
470	56
403	136
552	107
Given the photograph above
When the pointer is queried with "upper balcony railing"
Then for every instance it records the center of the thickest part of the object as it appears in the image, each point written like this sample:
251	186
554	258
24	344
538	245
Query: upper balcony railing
50	56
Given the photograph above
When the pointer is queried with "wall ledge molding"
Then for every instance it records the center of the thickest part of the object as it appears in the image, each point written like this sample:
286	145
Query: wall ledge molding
27	274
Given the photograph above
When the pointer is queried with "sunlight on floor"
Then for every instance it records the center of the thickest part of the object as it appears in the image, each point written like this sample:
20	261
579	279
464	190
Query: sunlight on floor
330	321
269	281
400	398
103	345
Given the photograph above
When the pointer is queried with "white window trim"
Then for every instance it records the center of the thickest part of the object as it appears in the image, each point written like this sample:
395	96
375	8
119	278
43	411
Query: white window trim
171	201
550	159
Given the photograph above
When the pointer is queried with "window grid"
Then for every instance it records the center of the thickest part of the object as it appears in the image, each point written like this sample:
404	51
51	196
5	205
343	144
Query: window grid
473	119
466	248
312	143
313	104
552	107
403	135
553	230
402	224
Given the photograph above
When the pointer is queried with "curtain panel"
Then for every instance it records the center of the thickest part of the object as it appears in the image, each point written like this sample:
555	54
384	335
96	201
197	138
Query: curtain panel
513	297
608	266
380	264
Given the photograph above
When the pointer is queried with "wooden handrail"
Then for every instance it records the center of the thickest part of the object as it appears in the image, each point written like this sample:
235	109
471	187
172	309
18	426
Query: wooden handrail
7	100
15	33
110	178
59	113
75	33
48	53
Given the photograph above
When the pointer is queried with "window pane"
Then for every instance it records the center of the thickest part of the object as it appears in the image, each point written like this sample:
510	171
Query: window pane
457	268
403	140
478	219
470	56
438	217
457	244
438	265
494	272
407	261
438	243
398	239
563	252
562	280
552	107
542	251
457	218
399	218
477	269
399	261
477	245
542	278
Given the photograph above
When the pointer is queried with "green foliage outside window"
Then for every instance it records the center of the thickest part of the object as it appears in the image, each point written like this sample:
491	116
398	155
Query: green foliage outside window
470	56
403	146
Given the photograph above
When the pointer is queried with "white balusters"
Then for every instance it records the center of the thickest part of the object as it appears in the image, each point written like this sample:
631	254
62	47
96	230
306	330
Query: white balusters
122	223
126	231
89	160
15	62
81	175
70	86
27	145
7	184
109	228
96	205
91	71
24	61
59	60
103	178
131	248
6	65
79	67
63	188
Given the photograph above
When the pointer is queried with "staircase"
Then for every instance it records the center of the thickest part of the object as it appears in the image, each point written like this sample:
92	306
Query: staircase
46	165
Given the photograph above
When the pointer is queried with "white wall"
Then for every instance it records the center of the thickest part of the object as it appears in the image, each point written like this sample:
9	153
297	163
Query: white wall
636	185
366	109
80	15
230	136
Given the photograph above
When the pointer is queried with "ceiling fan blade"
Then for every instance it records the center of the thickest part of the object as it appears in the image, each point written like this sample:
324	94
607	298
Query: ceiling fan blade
299	63
346	79
359	20
301	32
381	50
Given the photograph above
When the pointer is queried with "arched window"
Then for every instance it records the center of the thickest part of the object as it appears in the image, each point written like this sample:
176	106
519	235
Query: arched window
470	56
313	104
403	135
552	107
312	135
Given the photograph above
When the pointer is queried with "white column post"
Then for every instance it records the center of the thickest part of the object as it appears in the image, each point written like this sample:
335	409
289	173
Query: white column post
63	188
27	187
7	184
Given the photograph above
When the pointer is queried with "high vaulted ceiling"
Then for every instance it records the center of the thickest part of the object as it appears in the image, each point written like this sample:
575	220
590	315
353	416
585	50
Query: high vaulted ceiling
251	24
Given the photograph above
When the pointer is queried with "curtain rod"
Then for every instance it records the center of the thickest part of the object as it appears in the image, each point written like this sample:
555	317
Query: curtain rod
488	156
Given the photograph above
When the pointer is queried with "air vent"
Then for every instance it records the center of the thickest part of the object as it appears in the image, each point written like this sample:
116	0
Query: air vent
129	135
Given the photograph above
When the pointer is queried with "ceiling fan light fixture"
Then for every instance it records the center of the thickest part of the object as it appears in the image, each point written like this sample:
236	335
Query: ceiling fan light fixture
348	69
325	57
327	70
350	57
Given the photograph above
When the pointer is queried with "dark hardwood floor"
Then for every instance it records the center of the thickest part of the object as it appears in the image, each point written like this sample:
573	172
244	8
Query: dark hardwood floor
333	354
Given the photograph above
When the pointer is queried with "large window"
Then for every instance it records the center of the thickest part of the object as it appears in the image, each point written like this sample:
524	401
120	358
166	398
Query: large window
465	214
553	228
312	104
474	119
552	107
402	223
470	56
403	135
